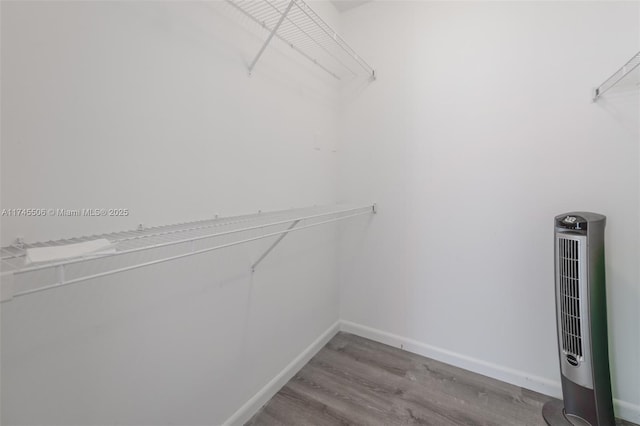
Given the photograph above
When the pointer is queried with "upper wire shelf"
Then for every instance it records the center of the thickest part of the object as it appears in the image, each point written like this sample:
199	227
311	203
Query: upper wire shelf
140	248
617	76
300	27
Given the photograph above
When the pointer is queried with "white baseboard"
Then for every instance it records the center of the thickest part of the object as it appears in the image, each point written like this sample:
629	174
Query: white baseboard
252	406
627	411
623	409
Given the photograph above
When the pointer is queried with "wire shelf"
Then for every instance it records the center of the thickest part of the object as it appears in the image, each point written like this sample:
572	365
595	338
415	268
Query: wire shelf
144	247
298	26
617	76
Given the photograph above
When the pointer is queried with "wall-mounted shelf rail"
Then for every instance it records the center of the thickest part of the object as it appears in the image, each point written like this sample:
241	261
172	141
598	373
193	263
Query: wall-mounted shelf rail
299	27
140	248
617	76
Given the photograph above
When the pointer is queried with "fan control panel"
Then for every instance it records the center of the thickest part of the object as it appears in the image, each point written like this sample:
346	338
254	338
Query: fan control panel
569	221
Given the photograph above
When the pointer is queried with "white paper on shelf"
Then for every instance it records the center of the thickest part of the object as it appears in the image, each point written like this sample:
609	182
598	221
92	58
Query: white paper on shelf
68	251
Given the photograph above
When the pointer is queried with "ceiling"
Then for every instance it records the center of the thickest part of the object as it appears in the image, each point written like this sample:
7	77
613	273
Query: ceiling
343	5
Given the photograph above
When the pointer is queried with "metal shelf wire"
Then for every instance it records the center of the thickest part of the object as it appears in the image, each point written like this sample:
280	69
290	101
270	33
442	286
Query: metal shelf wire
140	248
617	76
299	27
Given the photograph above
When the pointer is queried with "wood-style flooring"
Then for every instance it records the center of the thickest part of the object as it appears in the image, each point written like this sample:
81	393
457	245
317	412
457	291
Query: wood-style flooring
355	381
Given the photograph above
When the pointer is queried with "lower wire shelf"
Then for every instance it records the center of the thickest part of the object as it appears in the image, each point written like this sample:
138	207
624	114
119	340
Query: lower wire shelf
150	246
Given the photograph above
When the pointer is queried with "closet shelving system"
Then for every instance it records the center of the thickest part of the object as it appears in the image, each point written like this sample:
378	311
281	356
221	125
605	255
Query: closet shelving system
620	74
299	26
150	246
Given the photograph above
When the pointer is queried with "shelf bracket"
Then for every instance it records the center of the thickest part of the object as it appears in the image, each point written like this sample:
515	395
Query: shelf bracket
621	73
273	32
275	243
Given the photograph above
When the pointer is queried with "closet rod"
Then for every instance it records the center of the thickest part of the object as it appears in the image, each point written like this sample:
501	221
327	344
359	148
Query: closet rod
621	73
200	237
180	256
59	267
298	26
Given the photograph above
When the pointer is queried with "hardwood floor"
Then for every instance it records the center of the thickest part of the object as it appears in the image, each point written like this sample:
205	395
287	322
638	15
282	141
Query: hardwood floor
353	380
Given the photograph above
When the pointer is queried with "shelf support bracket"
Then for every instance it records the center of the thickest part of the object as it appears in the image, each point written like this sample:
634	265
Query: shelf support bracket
275	243
621	73
268	40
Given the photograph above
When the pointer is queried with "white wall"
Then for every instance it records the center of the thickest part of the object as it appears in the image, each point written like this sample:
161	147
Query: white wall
148	106
477	132
463	141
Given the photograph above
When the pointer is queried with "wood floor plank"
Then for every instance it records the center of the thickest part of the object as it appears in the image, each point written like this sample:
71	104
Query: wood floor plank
435	382
290	407
412	402
356	381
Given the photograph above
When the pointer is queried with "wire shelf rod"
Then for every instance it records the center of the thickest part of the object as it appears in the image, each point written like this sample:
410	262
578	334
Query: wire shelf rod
322	26
304	31
310	40
180	256
273	32
8	254
136	235
259	7
334	35
124	236
186	240
294	47
621	73
317	33
9	263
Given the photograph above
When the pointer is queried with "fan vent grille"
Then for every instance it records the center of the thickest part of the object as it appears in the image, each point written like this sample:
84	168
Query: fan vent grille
569	263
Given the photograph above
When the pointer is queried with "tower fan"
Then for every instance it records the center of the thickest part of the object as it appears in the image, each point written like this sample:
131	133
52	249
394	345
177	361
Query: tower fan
581	313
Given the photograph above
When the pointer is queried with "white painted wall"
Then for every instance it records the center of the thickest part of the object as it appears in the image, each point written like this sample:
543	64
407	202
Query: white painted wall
148	106
463	141
477	132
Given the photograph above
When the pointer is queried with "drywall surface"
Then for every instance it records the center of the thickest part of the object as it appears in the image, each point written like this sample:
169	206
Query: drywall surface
148	106
478	131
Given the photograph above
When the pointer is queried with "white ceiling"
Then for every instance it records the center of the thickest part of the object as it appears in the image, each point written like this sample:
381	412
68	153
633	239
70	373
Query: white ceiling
343	5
